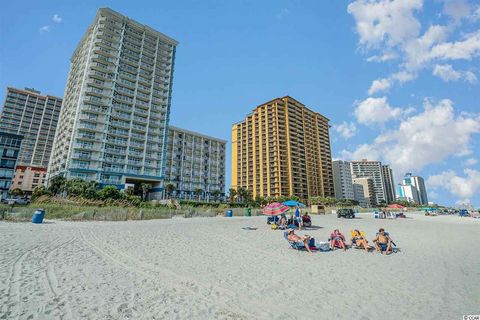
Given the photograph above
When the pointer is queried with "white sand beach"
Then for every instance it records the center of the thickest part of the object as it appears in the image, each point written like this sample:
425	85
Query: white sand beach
209	268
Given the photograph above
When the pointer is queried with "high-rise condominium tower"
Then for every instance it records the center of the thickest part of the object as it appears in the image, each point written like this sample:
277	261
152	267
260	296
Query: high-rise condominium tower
342	178
413	189
34	116
283	148
375	171
113	124
195	162
387	174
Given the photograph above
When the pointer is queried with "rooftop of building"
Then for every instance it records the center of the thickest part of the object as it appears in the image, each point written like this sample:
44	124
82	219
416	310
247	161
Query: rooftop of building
282	99
197	134
33	92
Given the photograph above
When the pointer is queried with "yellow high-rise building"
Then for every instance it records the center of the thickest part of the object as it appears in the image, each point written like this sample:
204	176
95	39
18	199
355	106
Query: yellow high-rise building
283	148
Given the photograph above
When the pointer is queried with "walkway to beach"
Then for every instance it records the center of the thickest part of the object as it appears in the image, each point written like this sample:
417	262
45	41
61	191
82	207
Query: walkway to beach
207	268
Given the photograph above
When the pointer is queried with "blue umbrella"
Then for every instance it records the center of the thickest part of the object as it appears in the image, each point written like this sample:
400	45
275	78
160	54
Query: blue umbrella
293	203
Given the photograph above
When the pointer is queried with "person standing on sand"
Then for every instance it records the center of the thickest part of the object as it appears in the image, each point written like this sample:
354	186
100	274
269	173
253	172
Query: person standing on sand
298	217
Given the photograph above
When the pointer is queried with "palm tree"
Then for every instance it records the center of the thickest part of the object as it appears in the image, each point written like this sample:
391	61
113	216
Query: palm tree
169	188
146	187
241	192
232	193
198	192
215	194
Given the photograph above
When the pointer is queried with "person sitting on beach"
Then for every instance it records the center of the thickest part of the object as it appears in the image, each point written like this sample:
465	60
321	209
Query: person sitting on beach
306	220
383	242
359	240
282	224
300	240
337	239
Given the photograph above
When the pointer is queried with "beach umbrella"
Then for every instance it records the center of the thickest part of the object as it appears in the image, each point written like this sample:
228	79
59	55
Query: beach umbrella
293	203
396	206
274	209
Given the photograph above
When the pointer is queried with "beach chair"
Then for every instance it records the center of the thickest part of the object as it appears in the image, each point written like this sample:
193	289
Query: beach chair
298	245
352	234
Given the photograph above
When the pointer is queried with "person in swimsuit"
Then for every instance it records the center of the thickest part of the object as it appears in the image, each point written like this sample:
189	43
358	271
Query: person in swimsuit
337	239
301	240
359	241
306	220
383	242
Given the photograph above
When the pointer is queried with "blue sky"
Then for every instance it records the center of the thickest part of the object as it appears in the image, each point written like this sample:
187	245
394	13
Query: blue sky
397	78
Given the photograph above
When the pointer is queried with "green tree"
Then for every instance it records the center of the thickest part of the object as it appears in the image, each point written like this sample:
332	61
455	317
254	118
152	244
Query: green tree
109	192
146	187
198	192
17	192
40	191
57	185
241	193
232	193
215	194
169	189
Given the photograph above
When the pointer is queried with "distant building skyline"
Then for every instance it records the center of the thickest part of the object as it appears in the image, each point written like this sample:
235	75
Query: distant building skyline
413	189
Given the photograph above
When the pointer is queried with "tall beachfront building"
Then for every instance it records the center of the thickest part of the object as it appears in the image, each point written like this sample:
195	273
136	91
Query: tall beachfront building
367	186
413	189
342	178
283	148
114	121
9	151
387	174
373	170
34	116
195	161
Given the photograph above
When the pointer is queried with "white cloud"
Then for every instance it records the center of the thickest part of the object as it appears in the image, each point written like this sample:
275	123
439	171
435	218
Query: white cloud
470	162
44	29
383	57
378	110
282	13
379	85
465	49
346	129
385	21
56	18
389	29
447	73
457	9
383	84
463	187
425	138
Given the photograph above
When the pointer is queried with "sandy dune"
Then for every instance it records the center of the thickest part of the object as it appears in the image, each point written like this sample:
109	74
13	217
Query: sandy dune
209	268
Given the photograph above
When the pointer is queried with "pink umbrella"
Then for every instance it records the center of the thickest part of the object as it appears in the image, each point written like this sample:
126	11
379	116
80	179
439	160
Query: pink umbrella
275	208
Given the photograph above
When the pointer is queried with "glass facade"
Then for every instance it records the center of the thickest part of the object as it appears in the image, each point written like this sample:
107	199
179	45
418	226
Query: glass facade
9	150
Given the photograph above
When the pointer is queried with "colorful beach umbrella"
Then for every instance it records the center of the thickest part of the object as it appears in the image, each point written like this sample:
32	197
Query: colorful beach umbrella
274	209
293	203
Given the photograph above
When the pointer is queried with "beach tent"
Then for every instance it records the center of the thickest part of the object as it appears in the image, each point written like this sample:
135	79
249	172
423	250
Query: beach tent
274	209
293	203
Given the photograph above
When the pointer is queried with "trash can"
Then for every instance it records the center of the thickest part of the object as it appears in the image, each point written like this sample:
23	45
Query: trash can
376	215
38	216
248	212
229	214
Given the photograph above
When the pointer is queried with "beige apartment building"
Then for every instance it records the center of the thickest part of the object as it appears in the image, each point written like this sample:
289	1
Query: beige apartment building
368	187
27	178
283	148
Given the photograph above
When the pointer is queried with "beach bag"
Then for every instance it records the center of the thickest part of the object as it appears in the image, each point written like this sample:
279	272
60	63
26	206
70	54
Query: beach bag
274	226
311	243
323	246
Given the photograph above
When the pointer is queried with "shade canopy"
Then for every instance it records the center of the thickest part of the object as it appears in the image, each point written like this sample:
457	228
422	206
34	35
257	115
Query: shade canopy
396	206
293	203
274	209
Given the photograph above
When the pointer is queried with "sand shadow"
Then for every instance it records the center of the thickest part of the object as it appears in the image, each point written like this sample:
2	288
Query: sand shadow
312	228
